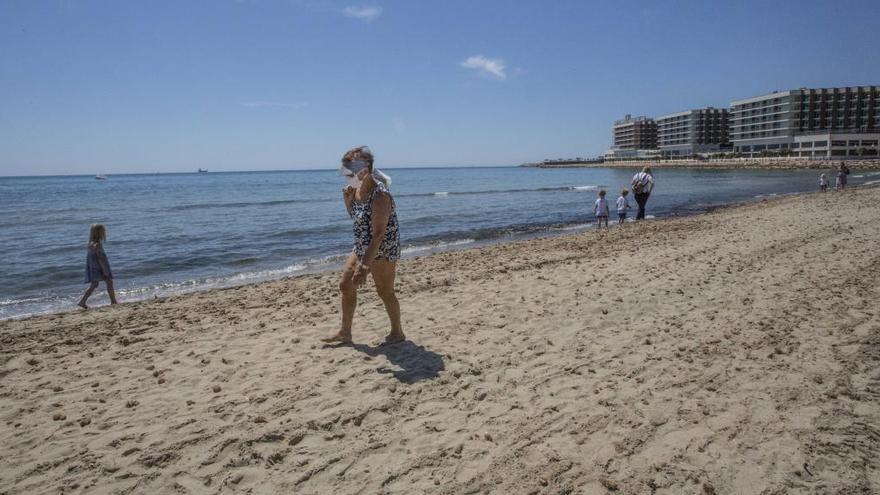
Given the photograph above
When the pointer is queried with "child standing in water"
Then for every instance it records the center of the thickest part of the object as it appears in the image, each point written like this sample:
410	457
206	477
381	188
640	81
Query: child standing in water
97	265
622	206
823	183
600	209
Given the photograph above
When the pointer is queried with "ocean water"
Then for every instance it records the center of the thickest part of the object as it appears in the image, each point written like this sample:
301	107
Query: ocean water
172	233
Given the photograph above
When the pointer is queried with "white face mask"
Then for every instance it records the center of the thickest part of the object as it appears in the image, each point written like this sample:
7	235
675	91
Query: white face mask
353	181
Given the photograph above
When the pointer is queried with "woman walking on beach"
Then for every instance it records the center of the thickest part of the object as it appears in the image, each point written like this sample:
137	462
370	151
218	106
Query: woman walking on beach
376	242
642	185
97	265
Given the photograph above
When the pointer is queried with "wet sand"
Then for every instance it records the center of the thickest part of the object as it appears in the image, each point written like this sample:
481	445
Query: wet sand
732	352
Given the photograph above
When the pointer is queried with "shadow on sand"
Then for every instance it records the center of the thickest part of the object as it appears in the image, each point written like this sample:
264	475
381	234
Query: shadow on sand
416	362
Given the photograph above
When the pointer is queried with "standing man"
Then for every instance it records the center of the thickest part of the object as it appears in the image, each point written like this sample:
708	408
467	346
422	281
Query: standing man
642	185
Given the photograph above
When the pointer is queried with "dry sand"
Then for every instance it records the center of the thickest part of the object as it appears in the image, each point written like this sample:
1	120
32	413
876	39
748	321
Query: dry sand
732	352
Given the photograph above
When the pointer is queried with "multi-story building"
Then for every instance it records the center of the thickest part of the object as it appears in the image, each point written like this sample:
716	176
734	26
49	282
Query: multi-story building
693	132
835	144
807	122
635	133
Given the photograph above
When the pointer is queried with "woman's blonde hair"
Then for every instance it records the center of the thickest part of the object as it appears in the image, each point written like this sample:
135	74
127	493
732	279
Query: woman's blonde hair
647	170
97	234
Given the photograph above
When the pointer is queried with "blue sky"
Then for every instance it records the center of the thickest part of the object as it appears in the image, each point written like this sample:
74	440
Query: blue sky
145	86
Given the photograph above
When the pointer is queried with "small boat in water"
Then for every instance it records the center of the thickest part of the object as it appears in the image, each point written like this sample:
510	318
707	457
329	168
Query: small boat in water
101	177
203	170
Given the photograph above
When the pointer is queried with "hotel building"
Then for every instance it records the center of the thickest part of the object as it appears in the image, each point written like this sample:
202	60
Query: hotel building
826	122
635	133
634	137
693	132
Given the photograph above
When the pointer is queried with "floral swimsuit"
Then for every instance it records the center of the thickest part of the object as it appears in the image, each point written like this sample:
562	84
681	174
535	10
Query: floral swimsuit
389	250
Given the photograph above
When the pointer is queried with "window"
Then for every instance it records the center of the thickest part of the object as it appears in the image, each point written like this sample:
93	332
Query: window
772	146
854	143
820	144
871	142
838	143
806	145
758	147
795	146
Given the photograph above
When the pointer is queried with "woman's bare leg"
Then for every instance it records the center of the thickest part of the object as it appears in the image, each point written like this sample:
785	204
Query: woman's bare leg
349	301
87	294
383	277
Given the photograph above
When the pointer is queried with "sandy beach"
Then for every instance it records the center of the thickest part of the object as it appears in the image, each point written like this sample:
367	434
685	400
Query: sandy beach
735	352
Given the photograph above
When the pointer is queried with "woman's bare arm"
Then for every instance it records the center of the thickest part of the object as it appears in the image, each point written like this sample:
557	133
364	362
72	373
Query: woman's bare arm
378	224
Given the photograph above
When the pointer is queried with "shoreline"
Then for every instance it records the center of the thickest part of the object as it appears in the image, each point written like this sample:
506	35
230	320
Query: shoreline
200	262
157	294
725	164
729	351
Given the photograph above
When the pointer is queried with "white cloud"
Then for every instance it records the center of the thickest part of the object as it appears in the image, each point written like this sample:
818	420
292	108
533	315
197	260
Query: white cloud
277	104
364	13
492	67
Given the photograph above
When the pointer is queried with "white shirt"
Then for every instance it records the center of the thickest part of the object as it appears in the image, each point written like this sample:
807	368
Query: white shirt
622	204
601	207
646	179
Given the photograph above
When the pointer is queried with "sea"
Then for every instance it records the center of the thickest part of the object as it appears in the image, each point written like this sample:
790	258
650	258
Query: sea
175	233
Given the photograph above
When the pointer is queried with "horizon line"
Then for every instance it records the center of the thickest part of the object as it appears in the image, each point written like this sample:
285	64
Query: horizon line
252	171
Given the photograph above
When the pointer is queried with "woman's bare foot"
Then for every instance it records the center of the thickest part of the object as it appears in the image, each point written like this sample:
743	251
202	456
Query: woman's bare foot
393	338
339	337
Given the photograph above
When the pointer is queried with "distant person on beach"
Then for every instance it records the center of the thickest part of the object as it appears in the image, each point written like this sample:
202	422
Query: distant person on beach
600	209
376	242
97	265
842	172
622	206
823	183
642	185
